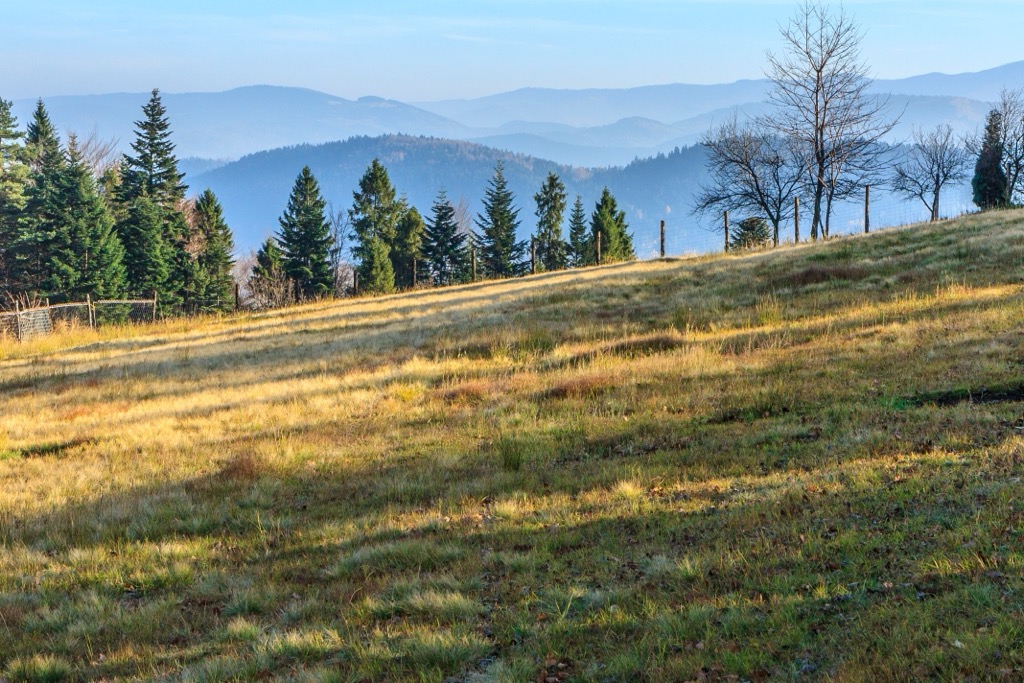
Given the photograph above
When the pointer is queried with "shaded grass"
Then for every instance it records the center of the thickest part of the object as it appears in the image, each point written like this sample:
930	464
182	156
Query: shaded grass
801	464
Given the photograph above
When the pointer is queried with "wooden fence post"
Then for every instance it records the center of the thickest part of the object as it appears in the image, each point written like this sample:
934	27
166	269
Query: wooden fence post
867	209
663	239
154	306
533	256
355	282
17	320
414	273
88	310
725	217
796	220
598	247
238	296
472	255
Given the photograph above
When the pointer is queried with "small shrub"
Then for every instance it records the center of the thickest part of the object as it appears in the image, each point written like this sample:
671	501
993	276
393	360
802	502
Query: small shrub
750	233
38	669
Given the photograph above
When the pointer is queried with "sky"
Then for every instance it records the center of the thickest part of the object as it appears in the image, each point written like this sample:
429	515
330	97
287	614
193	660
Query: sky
422	50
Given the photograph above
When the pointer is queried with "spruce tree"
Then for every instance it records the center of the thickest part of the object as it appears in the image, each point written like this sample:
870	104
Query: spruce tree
41	137
989	183
408	246
305	239
616	243
581	248
151	225
267	283
374	215
376	275
214	258
14	172
147	256
445	252
500	254
36	235
548	242
153	170
85	256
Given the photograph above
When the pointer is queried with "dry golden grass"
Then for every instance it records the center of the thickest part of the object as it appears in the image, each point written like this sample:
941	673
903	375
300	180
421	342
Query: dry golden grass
802	464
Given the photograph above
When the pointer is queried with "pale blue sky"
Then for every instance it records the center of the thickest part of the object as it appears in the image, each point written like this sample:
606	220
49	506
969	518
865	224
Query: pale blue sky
433	49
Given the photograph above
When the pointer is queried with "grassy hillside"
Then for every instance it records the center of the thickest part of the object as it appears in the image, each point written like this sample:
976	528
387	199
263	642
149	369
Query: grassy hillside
797	465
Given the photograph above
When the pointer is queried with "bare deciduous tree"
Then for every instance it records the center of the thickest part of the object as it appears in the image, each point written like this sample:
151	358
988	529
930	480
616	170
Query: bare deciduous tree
820	93
751	170
933	161
344	273
99	155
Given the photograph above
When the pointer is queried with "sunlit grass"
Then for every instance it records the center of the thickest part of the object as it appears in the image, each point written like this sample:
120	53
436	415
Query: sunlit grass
801	464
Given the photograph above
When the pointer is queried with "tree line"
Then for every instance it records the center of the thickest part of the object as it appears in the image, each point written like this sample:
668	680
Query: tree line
75	223
395	247
824	141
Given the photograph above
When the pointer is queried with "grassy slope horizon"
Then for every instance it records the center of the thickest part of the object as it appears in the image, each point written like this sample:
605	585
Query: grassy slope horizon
802	464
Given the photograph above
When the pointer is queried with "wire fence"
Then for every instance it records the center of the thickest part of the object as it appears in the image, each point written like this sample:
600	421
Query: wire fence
29	323
886	210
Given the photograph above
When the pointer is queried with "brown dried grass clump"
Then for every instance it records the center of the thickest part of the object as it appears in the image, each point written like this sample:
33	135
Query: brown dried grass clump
584	386
815	275
242	467
471	391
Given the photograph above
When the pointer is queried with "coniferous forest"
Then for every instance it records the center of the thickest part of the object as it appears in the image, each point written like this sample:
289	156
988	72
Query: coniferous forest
78	221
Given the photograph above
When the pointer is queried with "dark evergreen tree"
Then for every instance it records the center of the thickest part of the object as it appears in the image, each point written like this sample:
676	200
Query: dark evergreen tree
153	170
41	137
147	255
989	183
214	256
38	226
376	275
500	254
305	239
151	224
751	233
616	243
85	255
445	251
549	245
14	172
267	283
408	246
374	216
580	248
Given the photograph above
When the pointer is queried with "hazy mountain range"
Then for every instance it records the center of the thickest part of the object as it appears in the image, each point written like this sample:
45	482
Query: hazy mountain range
533	129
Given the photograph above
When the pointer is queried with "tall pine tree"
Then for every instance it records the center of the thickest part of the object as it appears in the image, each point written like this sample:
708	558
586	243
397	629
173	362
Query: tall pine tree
374	216
148	257
549	245
610	223
408	245
151	225
989	183
41	137
85	256
581	247
153	169
38	226
305	239
445	252
213	257
14	173
500	254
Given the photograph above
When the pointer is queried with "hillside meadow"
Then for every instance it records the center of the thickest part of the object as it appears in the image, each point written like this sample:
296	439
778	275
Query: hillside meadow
796	465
